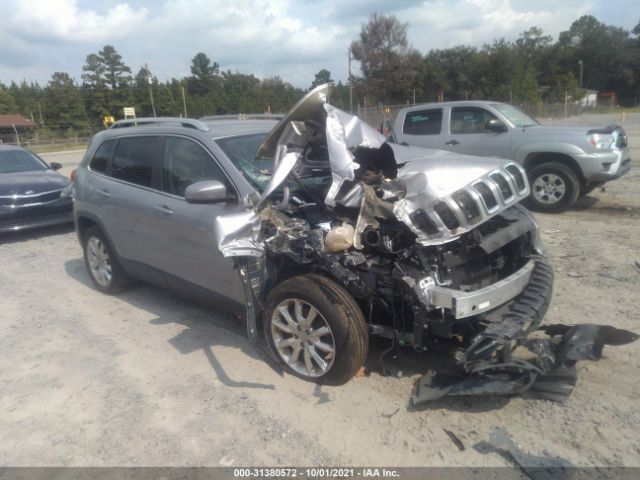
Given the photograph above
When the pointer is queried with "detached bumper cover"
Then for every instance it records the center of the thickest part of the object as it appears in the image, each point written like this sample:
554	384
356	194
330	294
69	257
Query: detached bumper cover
504	360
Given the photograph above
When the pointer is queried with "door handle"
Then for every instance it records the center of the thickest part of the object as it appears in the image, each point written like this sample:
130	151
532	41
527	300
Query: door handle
164	209
452	142
104	193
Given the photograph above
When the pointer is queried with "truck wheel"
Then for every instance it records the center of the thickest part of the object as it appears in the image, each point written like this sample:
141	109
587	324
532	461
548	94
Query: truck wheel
105	271
554	187
316	329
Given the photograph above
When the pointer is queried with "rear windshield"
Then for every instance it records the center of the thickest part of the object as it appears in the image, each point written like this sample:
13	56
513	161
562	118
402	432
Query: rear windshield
12	161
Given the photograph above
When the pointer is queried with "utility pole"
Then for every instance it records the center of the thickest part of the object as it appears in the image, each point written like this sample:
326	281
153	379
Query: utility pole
153	105
184	101
40	113
350	83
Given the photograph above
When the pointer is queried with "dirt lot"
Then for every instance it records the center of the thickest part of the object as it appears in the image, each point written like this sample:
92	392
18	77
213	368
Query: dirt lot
151	378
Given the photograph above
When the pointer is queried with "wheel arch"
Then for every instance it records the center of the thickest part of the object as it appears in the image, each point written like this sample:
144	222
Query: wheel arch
534	159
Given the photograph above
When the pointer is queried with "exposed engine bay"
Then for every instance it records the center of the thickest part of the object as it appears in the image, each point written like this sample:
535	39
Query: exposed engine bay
430	244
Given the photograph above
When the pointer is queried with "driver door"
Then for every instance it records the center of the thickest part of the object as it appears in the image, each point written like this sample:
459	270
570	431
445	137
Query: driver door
188	249
467	134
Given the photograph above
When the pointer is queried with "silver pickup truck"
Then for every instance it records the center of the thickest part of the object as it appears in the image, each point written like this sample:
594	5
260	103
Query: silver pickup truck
562	162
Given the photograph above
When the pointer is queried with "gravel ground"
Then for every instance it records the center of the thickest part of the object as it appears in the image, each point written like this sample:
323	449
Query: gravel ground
151	378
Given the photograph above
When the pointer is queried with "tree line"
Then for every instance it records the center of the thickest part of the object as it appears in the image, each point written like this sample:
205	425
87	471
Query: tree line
531	69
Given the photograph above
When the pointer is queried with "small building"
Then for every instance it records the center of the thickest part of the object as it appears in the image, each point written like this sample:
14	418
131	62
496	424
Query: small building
14	128
608	99
590	99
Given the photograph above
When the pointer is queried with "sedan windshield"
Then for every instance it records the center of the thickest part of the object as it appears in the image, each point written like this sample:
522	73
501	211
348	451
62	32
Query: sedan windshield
517	117
12	161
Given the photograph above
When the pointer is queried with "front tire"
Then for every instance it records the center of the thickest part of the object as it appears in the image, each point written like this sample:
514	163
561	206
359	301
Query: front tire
316	329
554	187
103	267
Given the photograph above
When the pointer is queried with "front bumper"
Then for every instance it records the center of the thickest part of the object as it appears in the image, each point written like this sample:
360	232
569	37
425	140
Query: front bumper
504	359
27	217
604	166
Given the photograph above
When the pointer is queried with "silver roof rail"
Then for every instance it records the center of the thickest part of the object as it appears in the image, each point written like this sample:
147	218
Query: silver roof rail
243	116
151	121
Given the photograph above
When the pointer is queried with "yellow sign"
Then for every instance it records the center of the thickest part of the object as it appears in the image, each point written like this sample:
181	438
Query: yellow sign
108	120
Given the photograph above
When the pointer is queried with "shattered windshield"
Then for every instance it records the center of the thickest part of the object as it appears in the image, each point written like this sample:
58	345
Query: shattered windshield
242	149
517	117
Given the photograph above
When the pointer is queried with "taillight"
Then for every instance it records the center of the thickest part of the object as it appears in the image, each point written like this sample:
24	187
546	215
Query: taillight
73	174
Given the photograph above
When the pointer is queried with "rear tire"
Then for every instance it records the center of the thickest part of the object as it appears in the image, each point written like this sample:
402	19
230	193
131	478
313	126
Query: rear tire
554	187
316	329
103	267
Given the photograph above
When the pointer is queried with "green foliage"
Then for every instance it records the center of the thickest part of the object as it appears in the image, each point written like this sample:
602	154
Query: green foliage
64	106
383	52
7	102
322	77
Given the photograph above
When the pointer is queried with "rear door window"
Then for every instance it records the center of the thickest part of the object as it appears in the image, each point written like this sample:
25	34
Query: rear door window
134	160
423	122
469	120
186	162
100	160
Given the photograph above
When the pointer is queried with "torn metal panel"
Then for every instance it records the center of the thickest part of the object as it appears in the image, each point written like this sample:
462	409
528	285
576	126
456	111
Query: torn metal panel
285	165
237	234
307	109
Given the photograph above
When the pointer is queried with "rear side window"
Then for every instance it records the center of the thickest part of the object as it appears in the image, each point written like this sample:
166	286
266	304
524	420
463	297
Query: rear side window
101	158
186	162
469	120
134	160
423	122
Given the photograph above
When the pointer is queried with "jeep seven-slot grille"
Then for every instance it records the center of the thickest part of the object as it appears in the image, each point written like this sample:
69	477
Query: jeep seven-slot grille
474	203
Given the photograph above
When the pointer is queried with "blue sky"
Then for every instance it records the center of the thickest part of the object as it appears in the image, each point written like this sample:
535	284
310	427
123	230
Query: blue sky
290	38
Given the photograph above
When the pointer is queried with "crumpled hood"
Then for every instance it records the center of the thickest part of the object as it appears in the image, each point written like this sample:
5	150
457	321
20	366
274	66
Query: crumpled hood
450	193
30	183
440	172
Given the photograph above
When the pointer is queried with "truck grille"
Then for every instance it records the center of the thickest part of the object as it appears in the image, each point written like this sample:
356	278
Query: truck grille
473	204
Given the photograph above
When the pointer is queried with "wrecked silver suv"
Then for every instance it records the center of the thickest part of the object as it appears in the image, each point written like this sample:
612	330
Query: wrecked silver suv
337	236
353	236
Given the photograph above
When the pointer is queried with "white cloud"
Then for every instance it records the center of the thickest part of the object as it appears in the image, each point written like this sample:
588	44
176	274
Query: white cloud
290	38
63	20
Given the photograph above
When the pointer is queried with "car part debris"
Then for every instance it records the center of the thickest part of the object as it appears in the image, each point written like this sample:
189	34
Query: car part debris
532	466
455	439
550	374
339	239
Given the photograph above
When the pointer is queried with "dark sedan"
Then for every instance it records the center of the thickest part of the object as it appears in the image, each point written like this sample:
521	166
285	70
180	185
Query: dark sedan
32	193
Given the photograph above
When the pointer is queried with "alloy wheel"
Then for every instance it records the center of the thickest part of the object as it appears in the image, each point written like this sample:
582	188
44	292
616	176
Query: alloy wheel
99	261
302	337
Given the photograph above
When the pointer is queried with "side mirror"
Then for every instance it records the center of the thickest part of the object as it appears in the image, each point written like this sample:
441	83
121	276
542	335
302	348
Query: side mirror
55	165
207	191
495	125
